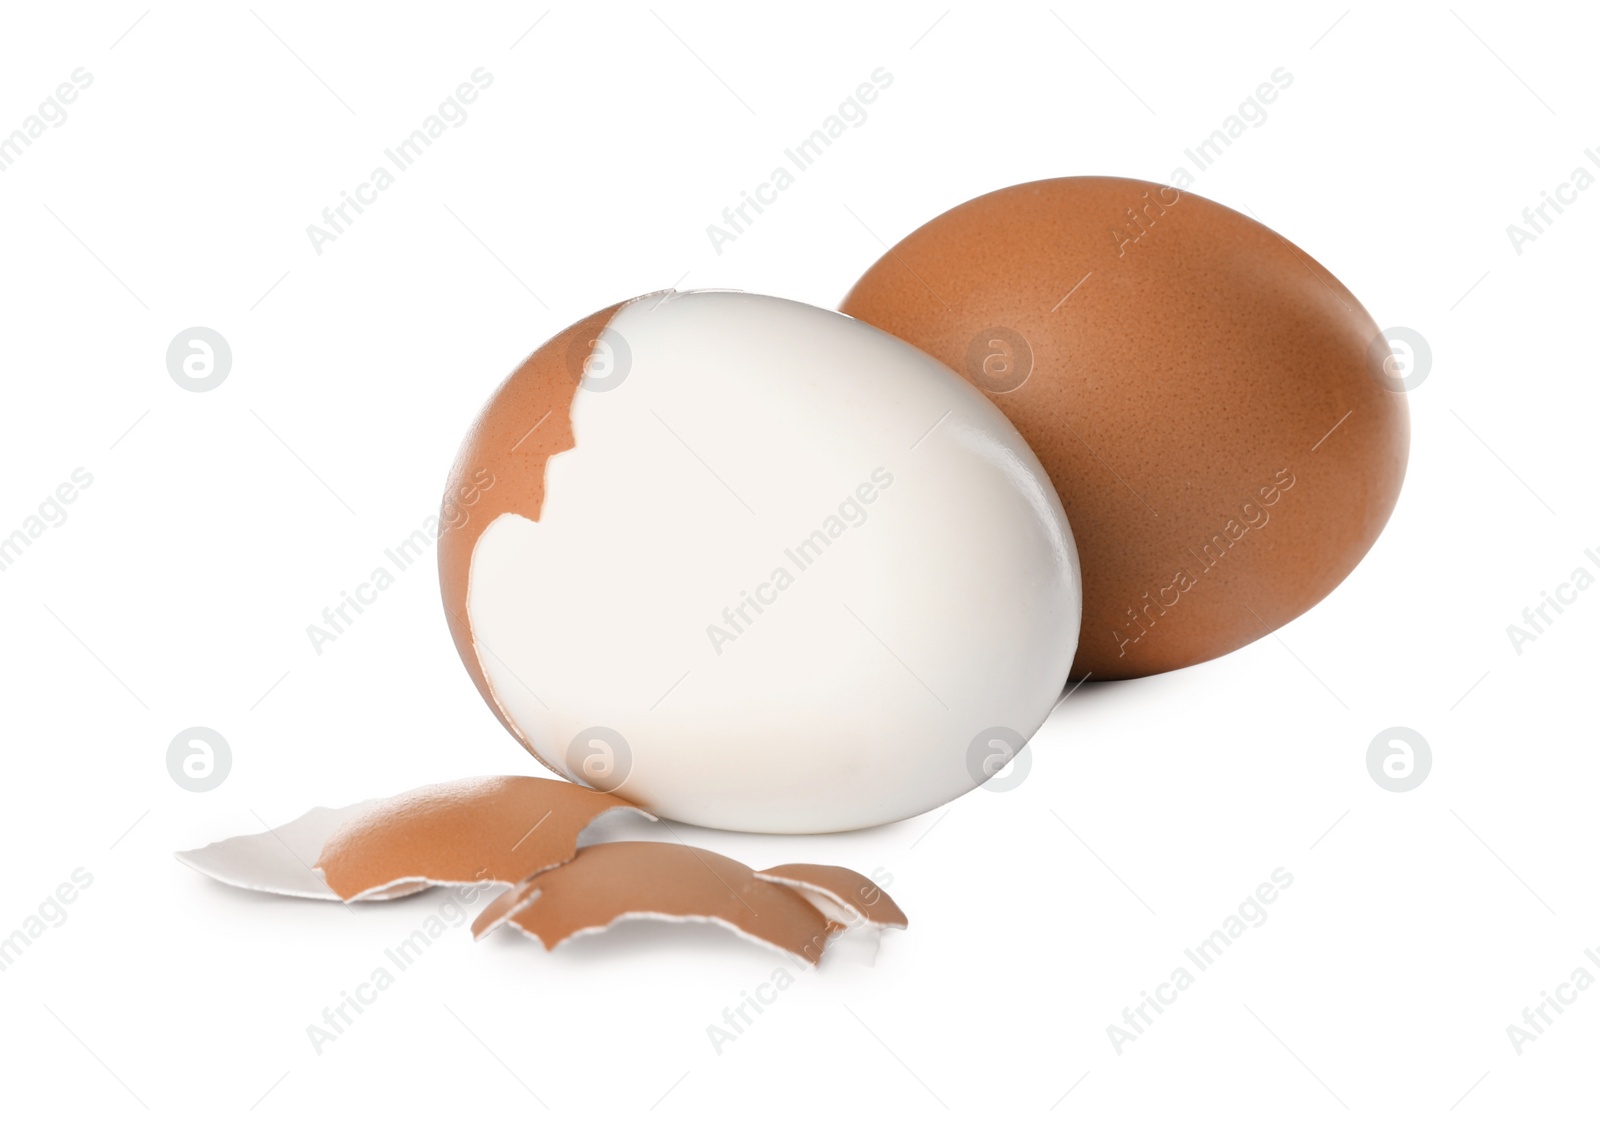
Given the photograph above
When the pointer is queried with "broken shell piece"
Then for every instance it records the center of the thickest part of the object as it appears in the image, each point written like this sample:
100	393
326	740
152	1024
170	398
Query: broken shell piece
501	908
844	896
648	880
500	828
524	832
280	860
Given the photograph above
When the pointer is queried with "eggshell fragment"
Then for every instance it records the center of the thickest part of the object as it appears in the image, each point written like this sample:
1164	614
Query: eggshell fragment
843	895
477	830
608	883
500	909
1203	394
493	829
772	572
280	860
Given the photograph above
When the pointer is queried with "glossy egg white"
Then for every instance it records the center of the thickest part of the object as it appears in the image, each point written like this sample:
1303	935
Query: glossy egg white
791	578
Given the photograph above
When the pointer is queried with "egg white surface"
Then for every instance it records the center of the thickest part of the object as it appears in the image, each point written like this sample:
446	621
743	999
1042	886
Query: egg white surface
790	570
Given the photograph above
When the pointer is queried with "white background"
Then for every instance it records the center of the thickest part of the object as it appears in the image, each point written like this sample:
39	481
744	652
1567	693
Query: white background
220	524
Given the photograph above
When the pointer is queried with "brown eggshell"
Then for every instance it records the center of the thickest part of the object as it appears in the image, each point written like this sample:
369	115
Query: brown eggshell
280	861
1200	391
647	880
496	829
500	469
842	894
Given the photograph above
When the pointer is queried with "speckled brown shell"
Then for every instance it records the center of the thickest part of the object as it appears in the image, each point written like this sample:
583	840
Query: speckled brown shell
1184	362
495	829
500	469
611	881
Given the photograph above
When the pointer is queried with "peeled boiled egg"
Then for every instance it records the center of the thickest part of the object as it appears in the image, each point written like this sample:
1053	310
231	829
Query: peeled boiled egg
1216	410
755	565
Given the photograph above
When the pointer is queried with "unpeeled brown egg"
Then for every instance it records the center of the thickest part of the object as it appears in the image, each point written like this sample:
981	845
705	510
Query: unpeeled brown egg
1217	411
